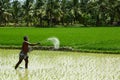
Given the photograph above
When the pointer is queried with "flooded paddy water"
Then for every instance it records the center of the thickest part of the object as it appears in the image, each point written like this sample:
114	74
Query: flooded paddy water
58	65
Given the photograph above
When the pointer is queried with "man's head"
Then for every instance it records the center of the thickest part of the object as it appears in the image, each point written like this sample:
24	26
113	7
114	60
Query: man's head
26	38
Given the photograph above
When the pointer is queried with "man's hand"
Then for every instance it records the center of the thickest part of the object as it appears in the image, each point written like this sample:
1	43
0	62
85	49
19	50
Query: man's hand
38	43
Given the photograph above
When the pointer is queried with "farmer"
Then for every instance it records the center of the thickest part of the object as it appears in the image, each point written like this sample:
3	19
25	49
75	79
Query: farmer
24	52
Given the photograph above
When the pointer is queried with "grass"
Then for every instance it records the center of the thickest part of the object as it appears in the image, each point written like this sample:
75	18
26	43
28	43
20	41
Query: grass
102	38
56	65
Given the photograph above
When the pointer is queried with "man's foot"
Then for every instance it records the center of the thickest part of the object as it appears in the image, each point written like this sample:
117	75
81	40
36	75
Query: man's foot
16	67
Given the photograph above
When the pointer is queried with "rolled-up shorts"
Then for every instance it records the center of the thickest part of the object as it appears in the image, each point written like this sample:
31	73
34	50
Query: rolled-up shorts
23	55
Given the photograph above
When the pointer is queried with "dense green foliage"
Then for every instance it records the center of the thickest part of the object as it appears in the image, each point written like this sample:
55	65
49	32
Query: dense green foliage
78	38
59	12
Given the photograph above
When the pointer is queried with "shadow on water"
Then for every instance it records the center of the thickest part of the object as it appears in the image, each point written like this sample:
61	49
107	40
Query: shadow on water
22	74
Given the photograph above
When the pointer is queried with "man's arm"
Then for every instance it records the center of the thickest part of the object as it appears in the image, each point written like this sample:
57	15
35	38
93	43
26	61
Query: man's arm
33	44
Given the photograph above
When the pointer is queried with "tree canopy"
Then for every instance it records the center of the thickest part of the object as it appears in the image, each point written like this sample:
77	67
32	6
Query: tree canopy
59	12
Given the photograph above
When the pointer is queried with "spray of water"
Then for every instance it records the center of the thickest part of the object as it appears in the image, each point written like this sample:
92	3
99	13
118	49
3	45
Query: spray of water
55	41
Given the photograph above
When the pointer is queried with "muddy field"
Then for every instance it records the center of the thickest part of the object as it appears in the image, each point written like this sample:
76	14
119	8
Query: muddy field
56	65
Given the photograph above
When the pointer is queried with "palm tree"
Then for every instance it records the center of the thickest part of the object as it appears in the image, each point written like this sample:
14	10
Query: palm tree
63	8
56	12
39	11
117	12
84	12
75	8
49	11
16	10
113	7
1	11
4	11
28	11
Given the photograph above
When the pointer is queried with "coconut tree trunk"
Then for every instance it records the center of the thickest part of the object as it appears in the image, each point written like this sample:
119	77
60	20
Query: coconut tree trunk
40	19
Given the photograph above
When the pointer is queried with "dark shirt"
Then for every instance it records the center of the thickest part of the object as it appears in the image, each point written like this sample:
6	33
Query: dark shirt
25	46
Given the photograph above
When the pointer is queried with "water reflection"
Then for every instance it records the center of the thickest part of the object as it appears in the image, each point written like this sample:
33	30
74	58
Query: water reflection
22	74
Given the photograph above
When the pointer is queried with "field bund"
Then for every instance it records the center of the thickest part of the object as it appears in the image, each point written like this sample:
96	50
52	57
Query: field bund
58	65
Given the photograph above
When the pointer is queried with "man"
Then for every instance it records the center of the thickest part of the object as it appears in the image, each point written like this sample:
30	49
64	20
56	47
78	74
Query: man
24	52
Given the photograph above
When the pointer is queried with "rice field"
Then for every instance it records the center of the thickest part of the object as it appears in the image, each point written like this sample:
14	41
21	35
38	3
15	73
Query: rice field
85	39
57	65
